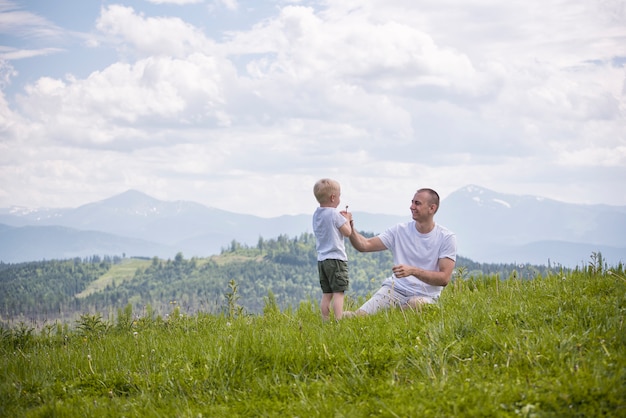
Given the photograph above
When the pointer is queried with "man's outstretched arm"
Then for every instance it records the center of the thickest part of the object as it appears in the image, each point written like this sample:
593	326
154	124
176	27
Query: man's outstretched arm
365	245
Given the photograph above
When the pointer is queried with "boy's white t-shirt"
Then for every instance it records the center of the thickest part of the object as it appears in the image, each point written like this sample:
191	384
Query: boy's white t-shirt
328	240
412	248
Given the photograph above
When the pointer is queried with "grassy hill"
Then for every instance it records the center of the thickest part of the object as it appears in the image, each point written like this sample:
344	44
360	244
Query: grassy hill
552	346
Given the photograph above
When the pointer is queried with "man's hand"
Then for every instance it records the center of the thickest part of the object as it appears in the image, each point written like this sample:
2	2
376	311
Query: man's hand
402	271
435	278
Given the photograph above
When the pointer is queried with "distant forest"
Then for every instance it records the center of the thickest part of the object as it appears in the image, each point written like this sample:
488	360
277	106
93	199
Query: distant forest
283	269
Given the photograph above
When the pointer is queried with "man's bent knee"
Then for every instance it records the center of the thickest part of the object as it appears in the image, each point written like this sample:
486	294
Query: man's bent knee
352	314
417	302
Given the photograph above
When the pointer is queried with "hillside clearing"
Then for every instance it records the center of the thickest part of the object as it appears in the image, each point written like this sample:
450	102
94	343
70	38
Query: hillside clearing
119	273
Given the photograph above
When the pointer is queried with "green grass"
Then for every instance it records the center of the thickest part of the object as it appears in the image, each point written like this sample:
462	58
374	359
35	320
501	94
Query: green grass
553	346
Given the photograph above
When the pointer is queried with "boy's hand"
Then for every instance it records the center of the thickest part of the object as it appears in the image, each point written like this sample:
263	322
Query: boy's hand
346	214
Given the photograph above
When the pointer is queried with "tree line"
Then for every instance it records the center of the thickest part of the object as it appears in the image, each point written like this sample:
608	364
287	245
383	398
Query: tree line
283	268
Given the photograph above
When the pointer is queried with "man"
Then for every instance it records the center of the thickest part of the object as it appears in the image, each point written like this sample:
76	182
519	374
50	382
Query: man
424	255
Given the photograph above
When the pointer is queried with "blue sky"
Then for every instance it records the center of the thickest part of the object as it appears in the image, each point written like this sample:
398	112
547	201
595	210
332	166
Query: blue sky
243	105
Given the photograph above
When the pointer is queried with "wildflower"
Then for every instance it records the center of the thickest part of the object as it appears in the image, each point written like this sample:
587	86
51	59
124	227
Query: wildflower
89	363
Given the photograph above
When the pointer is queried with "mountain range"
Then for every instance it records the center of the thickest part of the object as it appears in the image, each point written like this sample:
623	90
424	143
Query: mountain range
491	227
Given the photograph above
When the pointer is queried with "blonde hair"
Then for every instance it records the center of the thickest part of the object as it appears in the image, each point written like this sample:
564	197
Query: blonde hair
324	188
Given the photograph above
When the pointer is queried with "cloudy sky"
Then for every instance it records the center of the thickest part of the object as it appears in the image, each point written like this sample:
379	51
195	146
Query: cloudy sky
243	104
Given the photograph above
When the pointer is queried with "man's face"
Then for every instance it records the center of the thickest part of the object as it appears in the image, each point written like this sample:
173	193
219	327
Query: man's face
420	206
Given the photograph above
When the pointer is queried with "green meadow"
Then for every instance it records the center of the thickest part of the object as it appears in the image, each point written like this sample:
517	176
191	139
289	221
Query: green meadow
552	346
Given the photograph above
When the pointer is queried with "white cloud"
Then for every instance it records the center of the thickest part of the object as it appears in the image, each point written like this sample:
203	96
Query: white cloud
594	156
386	96
151	36
16	22
10	54
229	4
6	73
390	57
179	2
129	103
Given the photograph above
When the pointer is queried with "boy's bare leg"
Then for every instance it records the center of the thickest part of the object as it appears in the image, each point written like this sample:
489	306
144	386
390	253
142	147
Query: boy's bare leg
325	305
338	305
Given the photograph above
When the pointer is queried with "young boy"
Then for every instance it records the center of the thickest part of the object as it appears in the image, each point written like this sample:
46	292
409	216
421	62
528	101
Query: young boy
330	227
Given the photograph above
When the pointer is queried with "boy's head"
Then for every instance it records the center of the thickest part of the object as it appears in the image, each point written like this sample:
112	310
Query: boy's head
327	192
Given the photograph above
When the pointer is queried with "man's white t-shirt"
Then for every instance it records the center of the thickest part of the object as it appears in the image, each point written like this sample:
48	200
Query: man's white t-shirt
328	240
412	248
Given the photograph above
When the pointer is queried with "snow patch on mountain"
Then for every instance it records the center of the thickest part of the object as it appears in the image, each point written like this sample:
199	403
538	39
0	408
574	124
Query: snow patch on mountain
503	203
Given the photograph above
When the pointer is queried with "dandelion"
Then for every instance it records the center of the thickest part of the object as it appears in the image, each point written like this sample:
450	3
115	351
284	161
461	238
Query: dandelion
610	273
89	362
